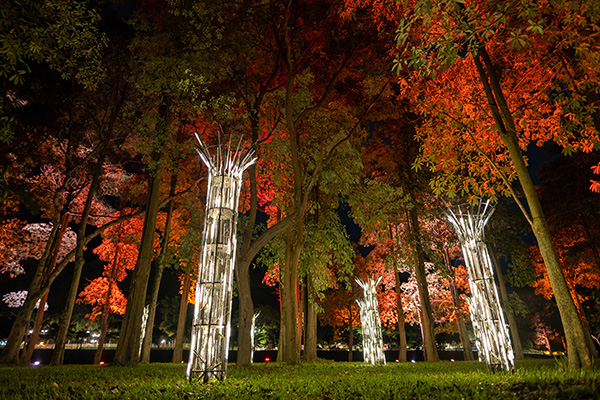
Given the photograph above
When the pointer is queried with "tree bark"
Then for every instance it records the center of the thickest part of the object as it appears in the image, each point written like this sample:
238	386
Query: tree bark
510	316
128	346
400	311
427	323
460	320
310	321
578	352
183	306
65	319
39	318
350	331
104	317
289	345
160	267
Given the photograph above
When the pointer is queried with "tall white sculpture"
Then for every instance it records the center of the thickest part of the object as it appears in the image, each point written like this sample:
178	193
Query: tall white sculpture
211	325
493	341
370	322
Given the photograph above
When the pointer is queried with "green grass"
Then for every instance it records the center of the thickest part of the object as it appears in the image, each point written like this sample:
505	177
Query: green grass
532	379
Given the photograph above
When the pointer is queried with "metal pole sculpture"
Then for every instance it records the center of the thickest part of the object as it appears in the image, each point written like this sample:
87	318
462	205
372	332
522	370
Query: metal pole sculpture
493	342
371	324
211	325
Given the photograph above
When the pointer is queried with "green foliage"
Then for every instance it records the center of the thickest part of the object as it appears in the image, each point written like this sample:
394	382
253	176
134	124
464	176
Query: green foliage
533	379
516	305
60	33
325	244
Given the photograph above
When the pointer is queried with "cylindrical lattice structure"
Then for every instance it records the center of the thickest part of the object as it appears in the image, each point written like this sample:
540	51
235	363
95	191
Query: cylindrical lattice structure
211	324
370	322
493	342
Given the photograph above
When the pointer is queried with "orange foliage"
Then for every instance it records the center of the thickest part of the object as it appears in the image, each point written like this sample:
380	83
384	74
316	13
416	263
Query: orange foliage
96	294
119	248
579	268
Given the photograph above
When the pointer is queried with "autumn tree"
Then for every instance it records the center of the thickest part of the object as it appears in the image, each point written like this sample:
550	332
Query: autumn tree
487	117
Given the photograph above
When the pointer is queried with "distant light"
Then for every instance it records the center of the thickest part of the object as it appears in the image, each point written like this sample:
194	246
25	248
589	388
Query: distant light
413	361
36	363
397	361
267	359
452	360
41	343
163	341
101	362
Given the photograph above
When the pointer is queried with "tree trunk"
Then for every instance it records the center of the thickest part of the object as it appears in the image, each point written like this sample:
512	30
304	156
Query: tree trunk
427	325
39	318
310	321
578	352
400	311
289	345
460	319
160	267
65	318
183	306
350	331
586	327
149	328
128	346
27	351
510	316
104	318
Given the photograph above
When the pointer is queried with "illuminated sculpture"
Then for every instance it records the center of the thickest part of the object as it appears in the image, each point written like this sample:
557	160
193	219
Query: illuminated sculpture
211	325
252	334
493	341
370	322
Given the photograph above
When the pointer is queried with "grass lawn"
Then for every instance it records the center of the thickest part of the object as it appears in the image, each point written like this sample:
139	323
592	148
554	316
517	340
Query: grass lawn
532	379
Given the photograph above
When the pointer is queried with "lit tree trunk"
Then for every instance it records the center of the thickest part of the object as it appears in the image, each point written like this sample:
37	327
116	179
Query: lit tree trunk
460	320
242	269
289	345
183	306
128	346
350	331
32	339
578	352
65	319
149	326
310	321
586	326
104	316
427	327
39	318
160	267
400	311
510	316
460	324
